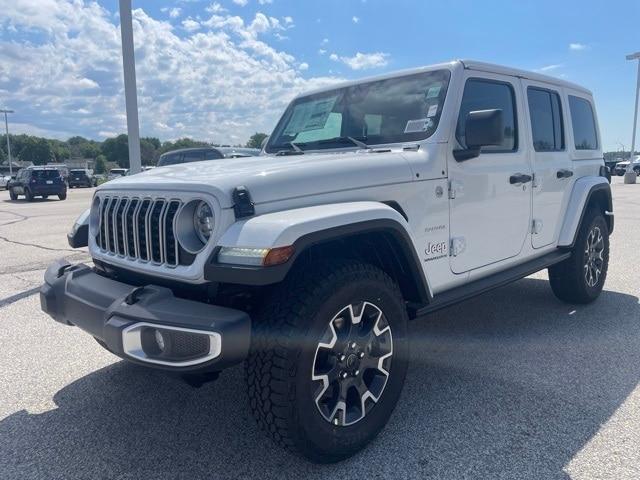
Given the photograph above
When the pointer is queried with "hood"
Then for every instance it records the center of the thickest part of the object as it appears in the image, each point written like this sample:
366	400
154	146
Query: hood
270	178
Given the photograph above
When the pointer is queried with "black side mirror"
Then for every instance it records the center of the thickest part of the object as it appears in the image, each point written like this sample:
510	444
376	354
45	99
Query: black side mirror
482	128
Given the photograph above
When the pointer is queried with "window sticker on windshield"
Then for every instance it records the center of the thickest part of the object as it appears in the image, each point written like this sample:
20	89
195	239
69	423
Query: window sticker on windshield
419	125
310	116
433	109
433	92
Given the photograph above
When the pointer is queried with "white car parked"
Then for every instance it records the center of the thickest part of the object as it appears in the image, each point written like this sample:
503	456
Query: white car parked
374	203
4	181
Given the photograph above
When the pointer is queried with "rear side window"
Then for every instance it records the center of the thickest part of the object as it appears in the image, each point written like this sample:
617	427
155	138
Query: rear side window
212	155
546	120
169	159
193	156
481	94
584	124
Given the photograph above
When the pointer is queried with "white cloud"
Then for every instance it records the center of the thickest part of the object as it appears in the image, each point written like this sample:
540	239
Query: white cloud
363	61
303	66
265	2
242	3
220	83
322	51
215	7
577	46
355	19
288	20
173	12
324	41
190	25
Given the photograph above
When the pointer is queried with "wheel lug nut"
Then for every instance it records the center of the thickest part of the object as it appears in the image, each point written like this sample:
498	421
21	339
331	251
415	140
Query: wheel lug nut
361	355
353	345
343	375
342	357
356	373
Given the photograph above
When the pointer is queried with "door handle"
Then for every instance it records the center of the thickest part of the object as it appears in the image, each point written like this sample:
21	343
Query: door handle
564	173
518	178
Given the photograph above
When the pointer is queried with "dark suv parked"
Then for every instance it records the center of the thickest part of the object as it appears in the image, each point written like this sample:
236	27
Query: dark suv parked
198	154
38	182
81	178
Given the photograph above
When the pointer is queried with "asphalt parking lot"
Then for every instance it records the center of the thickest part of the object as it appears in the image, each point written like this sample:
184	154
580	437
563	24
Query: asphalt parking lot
513	384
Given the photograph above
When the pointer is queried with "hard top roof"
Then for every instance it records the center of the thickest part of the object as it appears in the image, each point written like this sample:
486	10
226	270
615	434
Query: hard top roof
465	64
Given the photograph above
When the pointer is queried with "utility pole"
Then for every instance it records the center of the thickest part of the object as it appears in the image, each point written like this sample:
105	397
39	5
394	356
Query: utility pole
130	94
630	175
6	126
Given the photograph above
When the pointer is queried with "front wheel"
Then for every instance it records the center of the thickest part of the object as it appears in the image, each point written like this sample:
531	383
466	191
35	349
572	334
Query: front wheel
28	195
580	278
328	359
12	194
62	196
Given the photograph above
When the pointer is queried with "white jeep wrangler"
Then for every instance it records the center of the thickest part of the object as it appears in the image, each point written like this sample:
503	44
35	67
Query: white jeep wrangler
373	203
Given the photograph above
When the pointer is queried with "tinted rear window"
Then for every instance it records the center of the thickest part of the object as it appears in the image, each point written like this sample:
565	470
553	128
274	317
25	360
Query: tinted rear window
584	124
45	174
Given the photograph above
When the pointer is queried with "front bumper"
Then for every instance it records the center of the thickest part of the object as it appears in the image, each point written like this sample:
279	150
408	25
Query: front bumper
111	310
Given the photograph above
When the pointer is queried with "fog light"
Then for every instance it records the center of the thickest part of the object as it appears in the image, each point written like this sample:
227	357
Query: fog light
159	340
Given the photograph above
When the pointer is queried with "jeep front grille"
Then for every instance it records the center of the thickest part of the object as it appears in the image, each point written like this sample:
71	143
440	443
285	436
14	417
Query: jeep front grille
139	229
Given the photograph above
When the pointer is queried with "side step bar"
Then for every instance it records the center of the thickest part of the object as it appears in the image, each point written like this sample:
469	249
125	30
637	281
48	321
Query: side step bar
500	279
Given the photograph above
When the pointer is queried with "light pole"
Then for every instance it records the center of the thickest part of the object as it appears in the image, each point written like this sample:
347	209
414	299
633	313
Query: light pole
6	126
130	94
630	175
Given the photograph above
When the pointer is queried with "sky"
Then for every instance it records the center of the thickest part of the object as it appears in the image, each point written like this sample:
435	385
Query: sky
222	70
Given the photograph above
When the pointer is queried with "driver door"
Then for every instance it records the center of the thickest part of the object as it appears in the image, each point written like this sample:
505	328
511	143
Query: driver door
490	213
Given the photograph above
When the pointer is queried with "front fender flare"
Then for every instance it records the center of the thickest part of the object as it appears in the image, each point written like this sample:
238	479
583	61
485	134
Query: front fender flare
305	227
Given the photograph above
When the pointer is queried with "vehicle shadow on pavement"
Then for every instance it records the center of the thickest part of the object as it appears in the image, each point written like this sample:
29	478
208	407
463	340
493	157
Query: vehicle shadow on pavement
508	385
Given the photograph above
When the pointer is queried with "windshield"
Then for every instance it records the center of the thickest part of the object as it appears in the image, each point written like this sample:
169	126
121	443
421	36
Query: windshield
400	109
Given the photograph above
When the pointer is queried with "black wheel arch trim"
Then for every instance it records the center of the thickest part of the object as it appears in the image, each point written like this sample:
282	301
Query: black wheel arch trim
600	187
260	276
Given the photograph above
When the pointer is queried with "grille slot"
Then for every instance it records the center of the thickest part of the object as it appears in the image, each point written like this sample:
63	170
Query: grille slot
139	229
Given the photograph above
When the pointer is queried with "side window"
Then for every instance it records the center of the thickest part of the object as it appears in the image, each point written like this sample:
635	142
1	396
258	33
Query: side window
481	94
196	156
546	120
212	155
584	124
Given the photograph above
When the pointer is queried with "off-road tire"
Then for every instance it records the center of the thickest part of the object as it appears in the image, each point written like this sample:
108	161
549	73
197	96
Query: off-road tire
62	196
44	197
285	336
568	279
12	194
28	196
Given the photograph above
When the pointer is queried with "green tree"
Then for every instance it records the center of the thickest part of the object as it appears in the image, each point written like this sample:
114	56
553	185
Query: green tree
36	150
101	164
116	150
255	141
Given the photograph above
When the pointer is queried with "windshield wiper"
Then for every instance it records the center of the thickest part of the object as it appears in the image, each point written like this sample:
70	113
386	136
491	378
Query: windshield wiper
296	150
359	143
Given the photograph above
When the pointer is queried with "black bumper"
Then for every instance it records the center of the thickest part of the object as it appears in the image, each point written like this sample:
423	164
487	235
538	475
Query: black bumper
102	307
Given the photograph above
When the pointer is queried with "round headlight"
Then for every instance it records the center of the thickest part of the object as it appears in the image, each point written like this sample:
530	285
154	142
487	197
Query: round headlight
203	221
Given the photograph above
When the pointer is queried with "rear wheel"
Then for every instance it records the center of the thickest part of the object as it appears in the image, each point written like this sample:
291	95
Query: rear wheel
328	359
580	278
